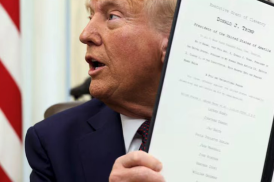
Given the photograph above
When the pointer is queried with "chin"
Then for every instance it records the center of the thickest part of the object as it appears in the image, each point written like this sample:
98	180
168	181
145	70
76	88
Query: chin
99	92
96	94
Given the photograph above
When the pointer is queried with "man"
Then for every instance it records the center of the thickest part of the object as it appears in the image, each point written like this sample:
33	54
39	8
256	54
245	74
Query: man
126	45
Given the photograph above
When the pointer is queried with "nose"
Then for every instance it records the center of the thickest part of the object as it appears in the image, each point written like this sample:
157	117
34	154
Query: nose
90	35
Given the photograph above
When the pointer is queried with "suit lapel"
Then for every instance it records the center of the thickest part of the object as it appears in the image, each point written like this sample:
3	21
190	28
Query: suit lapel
100	148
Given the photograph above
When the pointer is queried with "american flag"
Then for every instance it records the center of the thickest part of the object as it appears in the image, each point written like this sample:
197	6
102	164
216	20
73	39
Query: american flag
10	92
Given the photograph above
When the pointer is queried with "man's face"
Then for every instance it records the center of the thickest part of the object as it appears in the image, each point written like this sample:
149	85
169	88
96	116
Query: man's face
123	50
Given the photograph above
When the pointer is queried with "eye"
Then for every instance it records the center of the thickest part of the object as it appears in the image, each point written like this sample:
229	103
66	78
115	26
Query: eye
112	17
90	17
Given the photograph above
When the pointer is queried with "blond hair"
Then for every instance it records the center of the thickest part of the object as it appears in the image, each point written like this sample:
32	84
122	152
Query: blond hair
161	13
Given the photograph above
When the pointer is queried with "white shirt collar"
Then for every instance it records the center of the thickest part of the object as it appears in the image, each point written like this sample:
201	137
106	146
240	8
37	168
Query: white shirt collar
130	127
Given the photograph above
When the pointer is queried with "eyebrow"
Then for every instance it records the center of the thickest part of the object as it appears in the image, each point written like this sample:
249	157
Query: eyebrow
105	4
88	6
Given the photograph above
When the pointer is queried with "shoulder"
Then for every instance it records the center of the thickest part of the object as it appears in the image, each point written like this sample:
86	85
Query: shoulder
71	122
52	144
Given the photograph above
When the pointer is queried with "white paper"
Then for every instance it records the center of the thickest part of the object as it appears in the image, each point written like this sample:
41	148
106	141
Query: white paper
217	104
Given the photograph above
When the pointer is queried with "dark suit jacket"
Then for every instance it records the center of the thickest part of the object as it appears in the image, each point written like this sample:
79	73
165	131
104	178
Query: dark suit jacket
77	145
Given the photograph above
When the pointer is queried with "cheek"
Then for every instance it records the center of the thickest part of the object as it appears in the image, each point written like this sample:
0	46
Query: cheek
125	43
134	55
133	49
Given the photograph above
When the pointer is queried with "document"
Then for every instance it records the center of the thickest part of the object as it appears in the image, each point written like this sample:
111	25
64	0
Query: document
215	112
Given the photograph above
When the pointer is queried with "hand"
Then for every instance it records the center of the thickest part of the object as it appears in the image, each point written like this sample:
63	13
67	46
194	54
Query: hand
138	167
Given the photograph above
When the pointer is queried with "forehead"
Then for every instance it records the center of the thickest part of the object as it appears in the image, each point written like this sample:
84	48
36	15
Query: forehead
134	5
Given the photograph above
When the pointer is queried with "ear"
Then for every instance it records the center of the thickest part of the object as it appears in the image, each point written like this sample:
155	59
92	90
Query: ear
164	48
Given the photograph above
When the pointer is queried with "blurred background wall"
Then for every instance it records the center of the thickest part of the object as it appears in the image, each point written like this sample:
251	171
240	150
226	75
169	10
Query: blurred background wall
79	19
52	56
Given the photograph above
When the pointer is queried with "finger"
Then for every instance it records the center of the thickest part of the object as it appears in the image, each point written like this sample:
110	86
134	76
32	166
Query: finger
144	174
140	158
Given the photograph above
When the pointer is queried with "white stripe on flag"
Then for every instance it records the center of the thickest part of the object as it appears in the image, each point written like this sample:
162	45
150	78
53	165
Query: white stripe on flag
10	52
11	150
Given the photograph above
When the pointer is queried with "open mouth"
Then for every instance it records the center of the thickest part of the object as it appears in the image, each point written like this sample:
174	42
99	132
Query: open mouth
96	64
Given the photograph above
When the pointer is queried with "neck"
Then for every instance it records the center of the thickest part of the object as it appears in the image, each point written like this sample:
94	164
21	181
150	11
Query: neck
140	110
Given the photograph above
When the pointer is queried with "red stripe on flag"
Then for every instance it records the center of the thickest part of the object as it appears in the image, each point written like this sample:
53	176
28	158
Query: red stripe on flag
3	176
10	100
13	9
